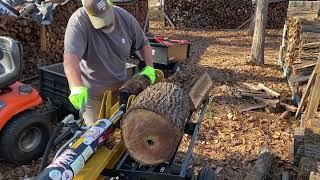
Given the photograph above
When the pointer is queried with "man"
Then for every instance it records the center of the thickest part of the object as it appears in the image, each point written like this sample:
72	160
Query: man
99	37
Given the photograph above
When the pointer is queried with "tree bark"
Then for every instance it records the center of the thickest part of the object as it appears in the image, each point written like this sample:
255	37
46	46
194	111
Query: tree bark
154	123
262	166
261	14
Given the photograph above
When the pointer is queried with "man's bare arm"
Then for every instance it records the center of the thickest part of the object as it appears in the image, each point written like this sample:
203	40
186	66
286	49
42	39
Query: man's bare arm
72	70
146	53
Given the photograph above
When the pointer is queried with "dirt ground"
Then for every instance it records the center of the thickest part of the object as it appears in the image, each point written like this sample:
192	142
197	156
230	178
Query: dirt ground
229	141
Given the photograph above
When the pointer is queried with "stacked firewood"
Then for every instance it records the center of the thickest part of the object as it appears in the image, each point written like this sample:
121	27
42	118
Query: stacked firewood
26	32
139	9
44	45
220	13
54	34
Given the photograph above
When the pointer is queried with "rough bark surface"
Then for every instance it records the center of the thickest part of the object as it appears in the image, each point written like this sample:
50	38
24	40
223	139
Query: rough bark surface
261	167
258	43
154	123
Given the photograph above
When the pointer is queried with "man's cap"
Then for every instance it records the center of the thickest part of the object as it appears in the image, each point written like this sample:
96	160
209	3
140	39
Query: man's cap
100	13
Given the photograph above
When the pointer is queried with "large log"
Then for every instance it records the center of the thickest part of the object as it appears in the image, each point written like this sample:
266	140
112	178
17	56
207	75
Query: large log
154	123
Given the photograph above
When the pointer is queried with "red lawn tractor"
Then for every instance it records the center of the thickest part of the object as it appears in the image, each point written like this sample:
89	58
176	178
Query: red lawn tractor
24	132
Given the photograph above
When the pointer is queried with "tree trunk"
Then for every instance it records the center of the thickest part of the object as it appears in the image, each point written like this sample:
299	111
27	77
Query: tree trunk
261	14
154	123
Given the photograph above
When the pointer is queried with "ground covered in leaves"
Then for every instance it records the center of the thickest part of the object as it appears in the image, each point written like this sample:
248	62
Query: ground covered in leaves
229	141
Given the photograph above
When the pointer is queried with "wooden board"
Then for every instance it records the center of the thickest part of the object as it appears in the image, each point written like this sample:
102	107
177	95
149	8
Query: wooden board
310	35
305	9
308	26
303	65
200	90
314	100
307	91
299	79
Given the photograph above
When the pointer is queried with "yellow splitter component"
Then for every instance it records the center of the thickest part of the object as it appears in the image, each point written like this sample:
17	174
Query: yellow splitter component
76	161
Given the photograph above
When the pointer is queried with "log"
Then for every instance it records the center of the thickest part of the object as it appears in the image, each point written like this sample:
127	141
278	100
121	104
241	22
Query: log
257	51
264	96
154	123
252	107
289	108
270	102
268	90
262	166
198	92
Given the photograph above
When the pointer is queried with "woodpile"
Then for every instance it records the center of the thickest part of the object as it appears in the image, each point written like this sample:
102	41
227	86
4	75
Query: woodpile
52	41
294	31
139	9
154	124
44	45
225	14
265	99
25	31
300	46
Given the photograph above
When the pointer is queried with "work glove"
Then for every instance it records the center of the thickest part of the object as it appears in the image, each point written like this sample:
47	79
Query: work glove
150	72
79	97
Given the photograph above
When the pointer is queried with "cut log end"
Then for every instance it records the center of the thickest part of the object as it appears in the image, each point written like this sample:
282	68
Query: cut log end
152	145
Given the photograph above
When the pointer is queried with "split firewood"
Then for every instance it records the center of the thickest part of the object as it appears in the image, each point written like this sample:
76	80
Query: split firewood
262	115
249	91
264	96
253	107
268	90
286	115
252	86
270	102
260	87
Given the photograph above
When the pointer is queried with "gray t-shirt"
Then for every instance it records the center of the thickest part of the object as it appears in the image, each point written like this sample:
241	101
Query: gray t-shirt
103	56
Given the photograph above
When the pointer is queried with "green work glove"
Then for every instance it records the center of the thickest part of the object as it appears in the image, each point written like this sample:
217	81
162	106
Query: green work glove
79	97
150	72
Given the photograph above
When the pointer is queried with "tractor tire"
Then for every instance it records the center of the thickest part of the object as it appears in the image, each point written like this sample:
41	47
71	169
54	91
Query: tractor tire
206	174
24	137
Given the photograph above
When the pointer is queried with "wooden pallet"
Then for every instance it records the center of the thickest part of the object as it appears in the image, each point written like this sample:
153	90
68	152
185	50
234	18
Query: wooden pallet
307	136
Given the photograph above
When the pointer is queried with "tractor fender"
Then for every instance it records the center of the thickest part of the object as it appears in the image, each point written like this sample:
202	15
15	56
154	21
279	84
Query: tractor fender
17	98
